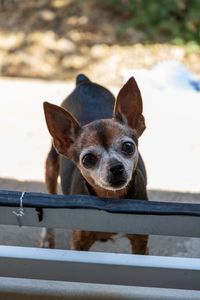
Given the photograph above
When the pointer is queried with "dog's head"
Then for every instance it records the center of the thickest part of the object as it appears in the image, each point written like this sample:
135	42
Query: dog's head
106	150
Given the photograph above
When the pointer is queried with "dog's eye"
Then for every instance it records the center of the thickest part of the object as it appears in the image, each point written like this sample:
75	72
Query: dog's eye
128	148
89	160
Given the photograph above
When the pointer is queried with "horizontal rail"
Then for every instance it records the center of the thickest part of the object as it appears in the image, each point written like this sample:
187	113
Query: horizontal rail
128	206
96	220
95	214
101	268
23	289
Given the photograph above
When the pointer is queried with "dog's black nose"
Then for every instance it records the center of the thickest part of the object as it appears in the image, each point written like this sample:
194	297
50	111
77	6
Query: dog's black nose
117	176
117	169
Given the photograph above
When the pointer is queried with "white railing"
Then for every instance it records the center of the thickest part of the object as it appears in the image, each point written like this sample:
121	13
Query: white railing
91	213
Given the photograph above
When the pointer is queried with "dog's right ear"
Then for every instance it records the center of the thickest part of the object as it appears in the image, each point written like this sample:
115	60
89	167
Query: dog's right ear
62	127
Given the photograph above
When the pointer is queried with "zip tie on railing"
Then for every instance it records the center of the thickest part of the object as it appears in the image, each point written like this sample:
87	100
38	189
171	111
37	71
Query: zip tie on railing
20	211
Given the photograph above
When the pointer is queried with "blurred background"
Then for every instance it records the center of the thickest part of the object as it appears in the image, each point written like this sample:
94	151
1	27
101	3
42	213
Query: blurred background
44	44
56	39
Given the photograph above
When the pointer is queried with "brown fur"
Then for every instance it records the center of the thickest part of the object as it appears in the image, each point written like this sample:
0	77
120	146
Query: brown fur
52	172
71	139
102	132
52	168
83	240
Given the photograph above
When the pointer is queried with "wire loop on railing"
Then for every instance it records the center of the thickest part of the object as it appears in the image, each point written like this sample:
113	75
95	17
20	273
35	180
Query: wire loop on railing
20	212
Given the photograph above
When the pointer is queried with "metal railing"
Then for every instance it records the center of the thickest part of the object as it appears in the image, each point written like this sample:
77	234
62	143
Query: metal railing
96	214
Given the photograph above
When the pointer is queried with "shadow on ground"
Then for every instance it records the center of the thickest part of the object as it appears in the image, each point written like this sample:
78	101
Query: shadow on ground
170	246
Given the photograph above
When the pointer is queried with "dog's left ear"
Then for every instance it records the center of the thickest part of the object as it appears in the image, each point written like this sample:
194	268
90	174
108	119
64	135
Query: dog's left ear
128	107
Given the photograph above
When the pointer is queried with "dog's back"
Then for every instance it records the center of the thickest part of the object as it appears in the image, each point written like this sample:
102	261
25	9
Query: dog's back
89	101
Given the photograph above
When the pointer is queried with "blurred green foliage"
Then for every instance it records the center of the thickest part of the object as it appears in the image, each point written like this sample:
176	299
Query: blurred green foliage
177	21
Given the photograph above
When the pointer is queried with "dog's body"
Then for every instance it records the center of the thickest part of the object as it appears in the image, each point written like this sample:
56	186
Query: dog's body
91	109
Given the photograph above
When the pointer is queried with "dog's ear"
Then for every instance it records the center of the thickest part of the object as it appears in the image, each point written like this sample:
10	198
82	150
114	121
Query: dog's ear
62	127
128	107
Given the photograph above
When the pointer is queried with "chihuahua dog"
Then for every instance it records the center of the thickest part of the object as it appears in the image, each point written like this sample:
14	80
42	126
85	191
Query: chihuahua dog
95	151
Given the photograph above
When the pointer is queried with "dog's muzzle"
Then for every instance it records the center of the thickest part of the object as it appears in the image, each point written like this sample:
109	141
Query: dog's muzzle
117	175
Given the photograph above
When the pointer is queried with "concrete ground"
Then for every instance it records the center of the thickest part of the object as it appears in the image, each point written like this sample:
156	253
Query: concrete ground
170	147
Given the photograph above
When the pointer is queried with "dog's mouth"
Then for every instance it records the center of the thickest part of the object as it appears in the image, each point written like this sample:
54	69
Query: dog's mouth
113	183
116	183
114	187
